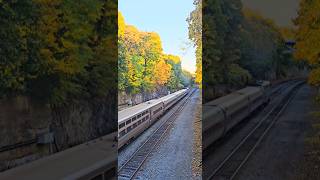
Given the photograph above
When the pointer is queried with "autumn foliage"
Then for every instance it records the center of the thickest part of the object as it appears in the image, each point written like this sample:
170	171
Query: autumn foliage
143	67
235	46
49	52
308	37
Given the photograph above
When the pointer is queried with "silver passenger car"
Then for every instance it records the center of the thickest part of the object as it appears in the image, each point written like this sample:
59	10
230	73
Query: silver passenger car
96	159
134	120
222	114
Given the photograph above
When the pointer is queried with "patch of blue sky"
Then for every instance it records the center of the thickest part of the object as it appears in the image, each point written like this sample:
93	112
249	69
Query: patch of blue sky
168	19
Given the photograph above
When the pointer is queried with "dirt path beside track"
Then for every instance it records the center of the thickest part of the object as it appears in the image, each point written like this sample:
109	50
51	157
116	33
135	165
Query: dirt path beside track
280	155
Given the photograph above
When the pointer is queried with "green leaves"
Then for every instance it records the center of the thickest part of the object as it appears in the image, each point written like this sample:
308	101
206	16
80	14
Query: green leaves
58	51
143	67
308	37
15	20
221	47
237	45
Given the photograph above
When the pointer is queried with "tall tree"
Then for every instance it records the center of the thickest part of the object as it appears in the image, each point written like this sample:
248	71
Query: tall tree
308	37
143	67
17	45
195	35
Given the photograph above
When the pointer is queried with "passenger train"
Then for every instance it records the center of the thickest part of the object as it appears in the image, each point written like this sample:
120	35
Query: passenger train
96	159
134	120
222	114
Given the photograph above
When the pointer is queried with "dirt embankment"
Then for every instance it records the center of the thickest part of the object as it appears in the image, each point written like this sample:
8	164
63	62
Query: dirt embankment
310	166
197	140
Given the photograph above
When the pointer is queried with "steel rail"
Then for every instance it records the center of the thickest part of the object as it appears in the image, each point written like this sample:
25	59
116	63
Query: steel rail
231	165
131	167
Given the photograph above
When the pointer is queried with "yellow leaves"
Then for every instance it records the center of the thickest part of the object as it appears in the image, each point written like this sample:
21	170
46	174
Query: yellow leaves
162	72
152	42
173	58
287	33
308	37
142	64
195	34
308	48
198	78
132	34
314	77
68	44
133	76
121	25
308	33
138	41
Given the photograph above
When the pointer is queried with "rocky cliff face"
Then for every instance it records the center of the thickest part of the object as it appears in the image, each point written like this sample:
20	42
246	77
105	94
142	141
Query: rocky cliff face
140	97
83	121
21	120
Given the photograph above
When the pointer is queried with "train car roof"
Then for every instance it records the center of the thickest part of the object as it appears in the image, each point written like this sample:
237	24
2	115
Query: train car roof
165	98
225	100
237	96
249	90
131	111
72	163
124	114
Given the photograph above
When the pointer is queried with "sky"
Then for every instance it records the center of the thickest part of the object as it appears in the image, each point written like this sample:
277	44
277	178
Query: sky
168	19
281	11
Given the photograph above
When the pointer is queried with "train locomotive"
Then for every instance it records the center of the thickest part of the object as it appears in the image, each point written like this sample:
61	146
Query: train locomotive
134	120
221	115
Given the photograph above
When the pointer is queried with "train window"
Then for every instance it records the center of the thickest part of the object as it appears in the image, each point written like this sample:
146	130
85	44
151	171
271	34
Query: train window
139	122
135	125
139	116
143	113
128	122
121	125
156	111
122	133
134	118
129	128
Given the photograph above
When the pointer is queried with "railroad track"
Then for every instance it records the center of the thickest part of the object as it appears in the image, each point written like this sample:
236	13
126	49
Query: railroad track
281	87
132	166
234	161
